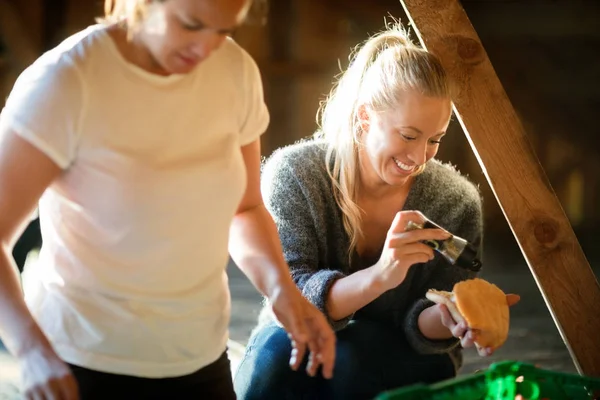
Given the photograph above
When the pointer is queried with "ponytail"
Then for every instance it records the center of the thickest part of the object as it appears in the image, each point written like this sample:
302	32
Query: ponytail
380	70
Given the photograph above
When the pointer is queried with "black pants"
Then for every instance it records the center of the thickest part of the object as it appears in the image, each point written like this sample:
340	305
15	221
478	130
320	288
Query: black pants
29	240
211	382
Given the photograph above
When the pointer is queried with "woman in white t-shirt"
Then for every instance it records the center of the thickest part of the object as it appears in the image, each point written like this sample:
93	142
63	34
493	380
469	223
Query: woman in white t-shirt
139	138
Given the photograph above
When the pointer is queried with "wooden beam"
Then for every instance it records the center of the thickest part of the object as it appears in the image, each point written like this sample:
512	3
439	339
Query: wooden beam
516	177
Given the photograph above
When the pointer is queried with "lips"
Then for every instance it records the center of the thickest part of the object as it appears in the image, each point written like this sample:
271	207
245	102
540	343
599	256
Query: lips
404	167
191	61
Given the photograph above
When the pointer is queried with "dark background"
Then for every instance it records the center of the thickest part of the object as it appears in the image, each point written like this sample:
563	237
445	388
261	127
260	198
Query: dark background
545	52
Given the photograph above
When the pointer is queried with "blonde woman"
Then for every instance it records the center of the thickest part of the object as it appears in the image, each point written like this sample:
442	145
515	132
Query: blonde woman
140	137
341	202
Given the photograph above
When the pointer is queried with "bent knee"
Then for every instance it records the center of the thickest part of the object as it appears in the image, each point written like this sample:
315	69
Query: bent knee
264	370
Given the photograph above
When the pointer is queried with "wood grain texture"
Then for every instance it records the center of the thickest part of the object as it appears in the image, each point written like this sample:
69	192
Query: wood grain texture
516	177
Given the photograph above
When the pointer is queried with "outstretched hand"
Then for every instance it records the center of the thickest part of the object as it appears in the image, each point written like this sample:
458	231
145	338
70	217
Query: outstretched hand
307	329
468	336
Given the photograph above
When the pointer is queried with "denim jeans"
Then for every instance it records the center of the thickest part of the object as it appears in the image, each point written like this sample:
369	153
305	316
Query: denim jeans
370	358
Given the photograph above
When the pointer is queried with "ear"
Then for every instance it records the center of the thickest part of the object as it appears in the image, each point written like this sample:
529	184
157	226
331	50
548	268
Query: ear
363	117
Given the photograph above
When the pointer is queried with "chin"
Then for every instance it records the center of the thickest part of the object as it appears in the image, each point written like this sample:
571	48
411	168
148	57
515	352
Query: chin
395	180
172	67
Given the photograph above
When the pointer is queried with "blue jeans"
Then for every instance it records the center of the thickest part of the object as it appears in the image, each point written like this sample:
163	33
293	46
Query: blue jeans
370	358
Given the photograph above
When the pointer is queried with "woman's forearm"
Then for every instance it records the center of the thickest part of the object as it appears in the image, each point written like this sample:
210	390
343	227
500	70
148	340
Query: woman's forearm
430	324
255	248
18	329
351	293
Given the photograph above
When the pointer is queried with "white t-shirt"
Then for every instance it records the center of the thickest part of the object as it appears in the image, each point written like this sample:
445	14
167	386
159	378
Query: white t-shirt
131	278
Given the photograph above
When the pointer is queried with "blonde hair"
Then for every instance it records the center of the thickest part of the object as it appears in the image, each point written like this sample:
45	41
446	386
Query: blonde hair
381	70
129	11
132	12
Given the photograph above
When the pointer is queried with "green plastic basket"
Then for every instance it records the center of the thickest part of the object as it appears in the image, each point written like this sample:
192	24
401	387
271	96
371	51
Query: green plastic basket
504	381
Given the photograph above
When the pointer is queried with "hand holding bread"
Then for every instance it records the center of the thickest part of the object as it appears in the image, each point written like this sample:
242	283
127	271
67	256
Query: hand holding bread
476	312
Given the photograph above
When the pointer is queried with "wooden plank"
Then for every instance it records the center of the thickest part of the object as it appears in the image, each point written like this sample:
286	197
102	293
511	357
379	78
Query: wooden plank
516	177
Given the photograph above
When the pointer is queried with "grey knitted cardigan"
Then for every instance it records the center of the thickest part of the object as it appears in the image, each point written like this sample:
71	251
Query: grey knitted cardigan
298	193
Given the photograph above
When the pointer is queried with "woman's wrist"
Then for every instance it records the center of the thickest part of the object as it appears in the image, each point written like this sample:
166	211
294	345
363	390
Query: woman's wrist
430	324
374	284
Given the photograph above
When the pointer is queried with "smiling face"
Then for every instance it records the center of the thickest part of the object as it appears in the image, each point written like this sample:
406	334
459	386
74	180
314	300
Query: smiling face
179	34
397	141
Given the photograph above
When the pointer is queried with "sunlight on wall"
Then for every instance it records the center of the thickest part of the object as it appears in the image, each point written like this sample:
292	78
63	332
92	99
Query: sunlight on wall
575	195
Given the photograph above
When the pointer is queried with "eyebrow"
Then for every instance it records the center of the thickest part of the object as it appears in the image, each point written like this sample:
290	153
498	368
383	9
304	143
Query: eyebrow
412	128
201	24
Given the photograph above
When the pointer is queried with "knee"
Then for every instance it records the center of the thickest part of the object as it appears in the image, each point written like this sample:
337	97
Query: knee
264	370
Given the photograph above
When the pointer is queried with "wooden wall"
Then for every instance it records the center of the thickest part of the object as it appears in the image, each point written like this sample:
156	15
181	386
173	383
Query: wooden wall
545	53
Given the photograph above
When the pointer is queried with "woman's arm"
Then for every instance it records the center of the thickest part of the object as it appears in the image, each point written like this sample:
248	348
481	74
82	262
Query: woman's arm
402	249
255	248
297	192
25	172
423	322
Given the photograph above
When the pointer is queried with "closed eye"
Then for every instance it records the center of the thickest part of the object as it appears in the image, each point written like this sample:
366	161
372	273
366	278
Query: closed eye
192	27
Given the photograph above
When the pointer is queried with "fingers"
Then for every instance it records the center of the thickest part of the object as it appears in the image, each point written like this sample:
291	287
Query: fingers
467	339
321	349
447	319
70	389
484	351
327	348
470	339
402	218
296	326
297	332
56	389
313	359
402	250
298	353
417	258
419	235
512	299
461	331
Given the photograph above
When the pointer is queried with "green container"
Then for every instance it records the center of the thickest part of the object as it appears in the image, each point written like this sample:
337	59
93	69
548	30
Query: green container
504	381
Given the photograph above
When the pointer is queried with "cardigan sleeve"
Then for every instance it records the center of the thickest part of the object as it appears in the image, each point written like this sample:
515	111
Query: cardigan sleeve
293	194
443	277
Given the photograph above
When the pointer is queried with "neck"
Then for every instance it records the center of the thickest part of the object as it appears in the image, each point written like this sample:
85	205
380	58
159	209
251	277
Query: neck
133	49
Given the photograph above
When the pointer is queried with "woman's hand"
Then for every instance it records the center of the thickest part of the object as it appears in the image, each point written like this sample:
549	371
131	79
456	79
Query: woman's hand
468	336
44	376
403	248
307	327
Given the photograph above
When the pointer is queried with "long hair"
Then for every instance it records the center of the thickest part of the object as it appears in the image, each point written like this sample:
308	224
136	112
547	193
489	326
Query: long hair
129	11
381	70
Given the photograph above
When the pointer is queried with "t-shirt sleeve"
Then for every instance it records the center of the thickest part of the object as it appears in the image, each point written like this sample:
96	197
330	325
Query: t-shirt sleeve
45	107
255	115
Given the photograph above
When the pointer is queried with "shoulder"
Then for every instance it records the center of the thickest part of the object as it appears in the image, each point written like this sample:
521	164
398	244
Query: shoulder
299	164
65	62
446	180
450	199
303	158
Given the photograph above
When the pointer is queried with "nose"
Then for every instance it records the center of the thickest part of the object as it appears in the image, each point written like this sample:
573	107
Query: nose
418	153
206	43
